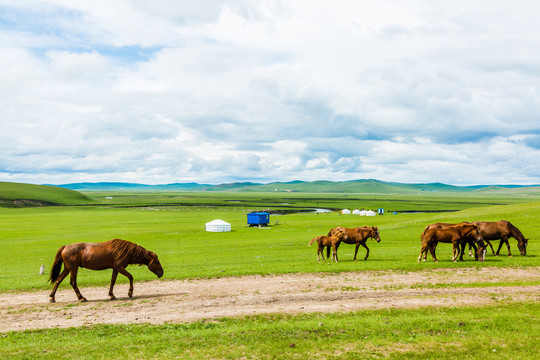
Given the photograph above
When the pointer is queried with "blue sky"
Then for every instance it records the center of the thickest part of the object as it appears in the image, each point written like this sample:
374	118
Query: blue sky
220	91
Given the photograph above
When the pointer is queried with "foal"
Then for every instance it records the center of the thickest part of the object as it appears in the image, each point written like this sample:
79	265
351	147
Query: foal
332	241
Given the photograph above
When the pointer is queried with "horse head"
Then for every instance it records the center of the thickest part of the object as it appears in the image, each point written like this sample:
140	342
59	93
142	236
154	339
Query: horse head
481	249
522	246
375	234
473	231
154	265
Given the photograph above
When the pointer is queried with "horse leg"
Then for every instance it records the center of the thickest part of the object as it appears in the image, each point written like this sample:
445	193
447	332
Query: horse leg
463	250
500	246
320	250
432	251
470	251
475	251
356	251
334	255
367	254
423	251
61	278
507	244
113	281
128	275
491	246
73	282
455	251
426	250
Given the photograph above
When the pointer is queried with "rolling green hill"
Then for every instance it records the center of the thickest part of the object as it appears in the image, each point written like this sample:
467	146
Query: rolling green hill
23	195
368	186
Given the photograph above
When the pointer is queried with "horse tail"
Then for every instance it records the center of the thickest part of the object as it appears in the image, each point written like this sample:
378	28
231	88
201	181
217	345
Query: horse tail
313	240
424	237
423	233
516	233
57	265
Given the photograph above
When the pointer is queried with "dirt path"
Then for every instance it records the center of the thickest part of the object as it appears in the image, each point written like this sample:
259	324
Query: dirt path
158	302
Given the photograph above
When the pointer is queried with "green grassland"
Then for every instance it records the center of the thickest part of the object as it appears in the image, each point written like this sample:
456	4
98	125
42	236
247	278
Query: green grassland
504	331
172	225
30	237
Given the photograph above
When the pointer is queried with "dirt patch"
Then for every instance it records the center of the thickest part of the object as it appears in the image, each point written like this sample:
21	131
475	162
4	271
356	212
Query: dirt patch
158	302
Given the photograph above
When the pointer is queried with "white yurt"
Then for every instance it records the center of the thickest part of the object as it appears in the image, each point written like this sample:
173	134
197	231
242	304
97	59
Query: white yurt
371	213
345	211
218	226
363	213
356	212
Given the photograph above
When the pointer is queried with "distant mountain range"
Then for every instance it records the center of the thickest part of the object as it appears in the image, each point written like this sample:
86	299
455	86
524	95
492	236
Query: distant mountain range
353	186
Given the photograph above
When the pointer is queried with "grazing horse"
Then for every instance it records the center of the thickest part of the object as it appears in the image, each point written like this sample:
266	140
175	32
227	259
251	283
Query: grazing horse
115	254
445	225
329	241
358	236
502	230
457	235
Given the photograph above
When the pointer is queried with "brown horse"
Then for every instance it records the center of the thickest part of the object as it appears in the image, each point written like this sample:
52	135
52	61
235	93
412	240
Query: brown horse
457	234
113	254
358	236
328	241
445	225
502	230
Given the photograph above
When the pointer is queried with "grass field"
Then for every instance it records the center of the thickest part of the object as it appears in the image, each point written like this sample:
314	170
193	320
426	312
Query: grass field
31	237
506	331
172	225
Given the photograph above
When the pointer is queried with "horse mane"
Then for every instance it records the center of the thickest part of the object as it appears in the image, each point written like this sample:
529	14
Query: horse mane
133	253
516	233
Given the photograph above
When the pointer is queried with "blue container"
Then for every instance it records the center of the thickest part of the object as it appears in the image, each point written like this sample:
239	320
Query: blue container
258	218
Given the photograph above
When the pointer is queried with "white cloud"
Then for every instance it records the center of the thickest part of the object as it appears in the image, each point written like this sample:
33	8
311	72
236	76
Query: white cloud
77	66
269	90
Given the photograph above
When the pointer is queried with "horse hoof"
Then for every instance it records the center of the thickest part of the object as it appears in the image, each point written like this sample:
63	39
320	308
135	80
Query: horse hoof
52	300
113	298
83	300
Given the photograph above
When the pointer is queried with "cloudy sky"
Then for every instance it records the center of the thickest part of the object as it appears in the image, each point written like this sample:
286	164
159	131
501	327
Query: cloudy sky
216	91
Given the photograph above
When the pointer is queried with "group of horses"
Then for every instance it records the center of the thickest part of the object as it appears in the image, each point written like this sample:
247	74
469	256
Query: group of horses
476	234
117	254
357	236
